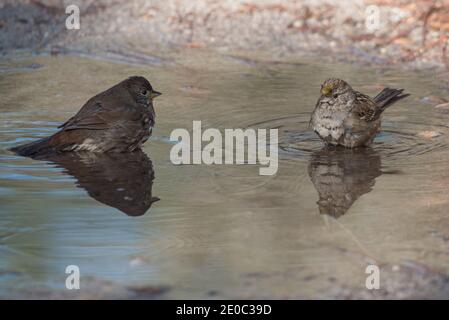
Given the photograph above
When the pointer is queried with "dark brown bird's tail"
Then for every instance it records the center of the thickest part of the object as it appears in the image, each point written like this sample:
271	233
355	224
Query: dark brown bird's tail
388	96
35	149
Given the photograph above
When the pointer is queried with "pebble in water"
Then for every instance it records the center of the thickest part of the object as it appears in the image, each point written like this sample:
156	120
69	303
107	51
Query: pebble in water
429	134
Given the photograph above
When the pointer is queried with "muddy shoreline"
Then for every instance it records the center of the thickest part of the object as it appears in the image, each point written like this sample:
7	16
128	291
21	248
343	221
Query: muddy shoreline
406	35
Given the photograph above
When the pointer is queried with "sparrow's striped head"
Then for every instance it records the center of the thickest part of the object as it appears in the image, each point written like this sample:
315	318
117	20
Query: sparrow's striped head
334	87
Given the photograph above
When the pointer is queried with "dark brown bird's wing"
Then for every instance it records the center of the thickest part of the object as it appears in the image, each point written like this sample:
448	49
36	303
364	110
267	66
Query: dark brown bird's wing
102	115
91	117
365	108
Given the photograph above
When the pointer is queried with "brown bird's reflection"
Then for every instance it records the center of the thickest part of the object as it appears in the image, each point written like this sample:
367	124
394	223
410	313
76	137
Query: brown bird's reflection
341	176
120	180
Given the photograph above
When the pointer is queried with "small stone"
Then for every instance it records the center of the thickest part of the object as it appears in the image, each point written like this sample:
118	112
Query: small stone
443	106
194	90
434	100
429	134
136	262
402	41
194	45
297	24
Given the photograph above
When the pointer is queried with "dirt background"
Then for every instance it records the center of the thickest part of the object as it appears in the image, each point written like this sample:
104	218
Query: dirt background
409	33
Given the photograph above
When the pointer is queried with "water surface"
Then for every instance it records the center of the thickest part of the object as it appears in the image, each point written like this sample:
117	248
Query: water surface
218	231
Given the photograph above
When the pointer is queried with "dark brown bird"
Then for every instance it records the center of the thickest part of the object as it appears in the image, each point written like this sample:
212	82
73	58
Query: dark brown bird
119	119
346	117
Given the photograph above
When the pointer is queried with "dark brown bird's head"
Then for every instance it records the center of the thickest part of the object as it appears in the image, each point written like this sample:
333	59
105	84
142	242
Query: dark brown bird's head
334	87
141	89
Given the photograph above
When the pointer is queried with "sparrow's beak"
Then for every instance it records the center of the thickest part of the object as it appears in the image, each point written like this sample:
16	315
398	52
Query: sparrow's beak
154	94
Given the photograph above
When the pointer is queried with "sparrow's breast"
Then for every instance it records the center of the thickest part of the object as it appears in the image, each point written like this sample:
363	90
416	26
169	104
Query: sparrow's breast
327	123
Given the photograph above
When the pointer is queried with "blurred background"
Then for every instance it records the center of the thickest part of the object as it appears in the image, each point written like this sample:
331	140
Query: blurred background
373	31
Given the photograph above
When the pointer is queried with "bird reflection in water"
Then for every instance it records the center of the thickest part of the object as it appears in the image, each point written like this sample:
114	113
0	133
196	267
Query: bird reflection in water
120	180
341	176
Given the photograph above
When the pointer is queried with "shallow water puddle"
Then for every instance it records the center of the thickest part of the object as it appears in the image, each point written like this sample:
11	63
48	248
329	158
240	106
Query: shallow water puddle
219	231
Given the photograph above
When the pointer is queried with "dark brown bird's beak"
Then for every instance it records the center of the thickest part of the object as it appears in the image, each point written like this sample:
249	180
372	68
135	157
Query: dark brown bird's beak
154	94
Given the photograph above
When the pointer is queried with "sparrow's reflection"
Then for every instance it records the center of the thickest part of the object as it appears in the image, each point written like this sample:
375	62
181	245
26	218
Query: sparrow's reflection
341	176
120	180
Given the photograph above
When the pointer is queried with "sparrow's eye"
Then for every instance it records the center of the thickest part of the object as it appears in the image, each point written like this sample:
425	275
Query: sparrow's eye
144	92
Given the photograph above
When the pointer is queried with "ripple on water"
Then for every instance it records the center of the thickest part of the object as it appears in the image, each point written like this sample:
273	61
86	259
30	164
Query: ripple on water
398	142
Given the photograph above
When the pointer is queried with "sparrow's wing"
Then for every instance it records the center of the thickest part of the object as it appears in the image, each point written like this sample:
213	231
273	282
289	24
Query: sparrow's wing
365	107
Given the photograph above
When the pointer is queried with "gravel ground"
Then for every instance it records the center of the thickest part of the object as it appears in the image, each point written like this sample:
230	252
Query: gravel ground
387	32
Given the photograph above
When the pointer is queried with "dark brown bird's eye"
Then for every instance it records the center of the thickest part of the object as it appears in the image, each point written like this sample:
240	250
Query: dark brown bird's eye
144	92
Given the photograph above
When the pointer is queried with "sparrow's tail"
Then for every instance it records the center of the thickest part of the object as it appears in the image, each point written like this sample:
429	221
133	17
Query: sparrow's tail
388	96
35	149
